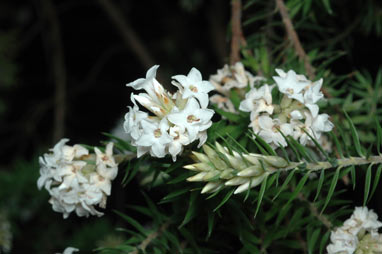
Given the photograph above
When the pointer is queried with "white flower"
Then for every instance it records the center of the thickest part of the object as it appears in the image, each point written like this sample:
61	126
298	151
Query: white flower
105	162
71	175
258	100
223	103
270	133
321	124
194	86
291	84
69	250
347	238
167	132
146	83
132	120
179	139
234	76
342	242
192	118
312	95
77	180
155	135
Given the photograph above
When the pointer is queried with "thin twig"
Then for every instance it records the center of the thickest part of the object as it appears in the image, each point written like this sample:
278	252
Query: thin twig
313	209
55	51
129	36
143	245
238	39
294	38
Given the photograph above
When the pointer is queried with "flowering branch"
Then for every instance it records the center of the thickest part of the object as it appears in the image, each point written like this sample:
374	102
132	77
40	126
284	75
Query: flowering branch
220	168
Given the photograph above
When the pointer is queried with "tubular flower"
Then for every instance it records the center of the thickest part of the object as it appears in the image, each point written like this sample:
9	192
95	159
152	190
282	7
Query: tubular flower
177	119
359	234
76	180
296	115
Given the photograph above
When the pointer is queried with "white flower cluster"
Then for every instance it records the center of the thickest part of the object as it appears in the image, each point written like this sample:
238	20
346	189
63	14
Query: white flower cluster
228	78
296	115
179	119
77	180
358	234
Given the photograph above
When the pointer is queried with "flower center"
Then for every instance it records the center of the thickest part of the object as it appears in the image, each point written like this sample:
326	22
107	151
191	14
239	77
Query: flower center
157	133
290	90
193	88
192	118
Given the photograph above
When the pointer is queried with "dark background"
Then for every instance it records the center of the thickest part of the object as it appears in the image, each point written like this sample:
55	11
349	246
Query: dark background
97	63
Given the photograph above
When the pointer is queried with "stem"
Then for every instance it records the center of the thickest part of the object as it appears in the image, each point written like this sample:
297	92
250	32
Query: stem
237	33
344	162
313	209
294	38
130	37
143	245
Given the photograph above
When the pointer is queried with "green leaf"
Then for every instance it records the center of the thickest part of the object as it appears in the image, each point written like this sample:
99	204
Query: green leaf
299	187
126	145
319	186
225	199
367	184
379	136
324	241
327	6
285	183
191	211
312	240
230	116
355	136
261	194
344	140
332	188
261	149
235	99
270	150
318	146
353	175
173	195
132	222
376	181
210	224
135	170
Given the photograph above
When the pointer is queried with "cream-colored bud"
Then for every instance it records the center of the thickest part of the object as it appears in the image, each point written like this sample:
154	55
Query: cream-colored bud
251	171
201	157
220	148
210	175
214	158
197	177
227	174
252	158
212	187
237	181
237	163
276	161
253	182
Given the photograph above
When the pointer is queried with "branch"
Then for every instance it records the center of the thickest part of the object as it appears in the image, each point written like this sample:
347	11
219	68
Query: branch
313	209
294	38
55	51
130	38
141	247
238	39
